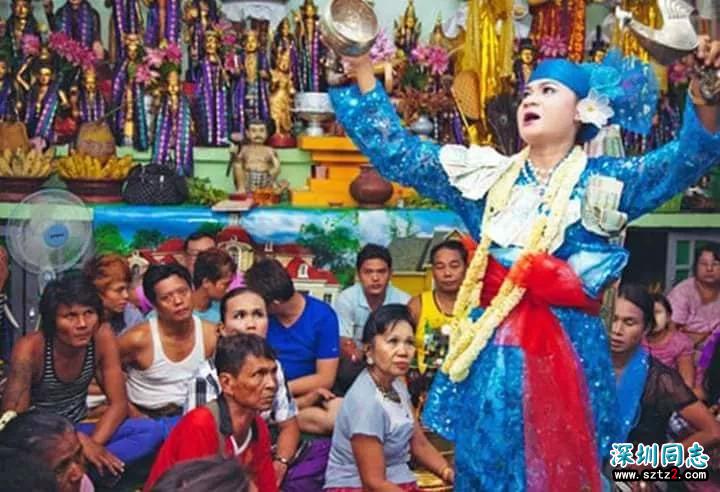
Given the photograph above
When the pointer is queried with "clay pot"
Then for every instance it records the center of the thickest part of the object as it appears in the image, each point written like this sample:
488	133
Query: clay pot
96	140
13	136
370	189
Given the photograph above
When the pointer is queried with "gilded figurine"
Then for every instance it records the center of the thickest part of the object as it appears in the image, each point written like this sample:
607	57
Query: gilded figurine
212	87
199	16
281	98
407	30
128	95
21	22
173	144
78	19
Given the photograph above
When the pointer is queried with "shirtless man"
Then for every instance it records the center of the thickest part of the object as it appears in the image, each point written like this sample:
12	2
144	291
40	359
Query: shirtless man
256	165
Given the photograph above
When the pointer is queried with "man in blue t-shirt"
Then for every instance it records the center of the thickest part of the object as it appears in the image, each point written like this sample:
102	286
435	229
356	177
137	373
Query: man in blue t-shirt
305	334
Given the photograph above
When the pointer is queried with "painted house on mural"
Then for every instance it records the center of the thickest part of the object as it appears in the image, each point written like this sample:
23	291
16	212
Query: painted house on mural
296	259
238	243
316	282
411	260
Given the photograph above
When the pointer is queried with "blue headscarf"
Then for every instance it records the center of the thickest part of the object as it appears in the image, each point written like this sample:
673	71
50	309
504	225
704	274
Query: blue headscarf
629	84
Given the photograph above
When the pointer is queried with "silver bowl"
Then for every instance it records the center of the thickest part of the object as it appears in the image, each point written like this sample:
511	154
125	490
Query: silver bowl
349	27
313	107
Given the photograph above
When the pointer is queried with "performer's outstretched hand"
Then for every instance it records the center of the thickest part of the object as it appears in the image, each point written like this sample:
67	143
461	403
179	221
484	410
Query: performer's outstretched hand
708	53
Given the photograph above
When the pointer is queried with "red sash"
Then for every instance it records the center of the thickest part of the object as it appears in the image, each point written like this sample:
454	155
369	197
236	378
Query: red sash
560	446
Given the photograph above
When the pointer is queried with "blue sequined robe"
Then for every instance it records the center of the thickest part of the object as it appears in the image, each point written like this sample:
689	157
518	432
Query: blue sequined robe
483	414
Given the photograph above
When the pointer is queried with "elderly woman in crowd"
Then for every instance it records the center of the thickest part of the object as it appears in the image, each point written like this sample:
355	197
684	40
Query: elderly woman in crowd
376	431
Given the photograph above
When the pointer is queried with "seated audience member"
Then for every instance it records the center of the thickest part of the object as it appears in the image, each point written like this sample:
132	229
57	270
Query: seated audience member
432	310
194	244
648	391
212	275
669	346
51	370
373	289
198	242
212	474
709	391
244	311
696	300
51	439
231	425
304	333
376	432
110	274
162	354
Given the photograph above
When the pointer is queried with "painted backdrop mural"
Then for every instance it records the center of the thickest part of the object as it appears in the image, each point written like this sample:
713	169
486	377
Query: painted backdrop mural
315	245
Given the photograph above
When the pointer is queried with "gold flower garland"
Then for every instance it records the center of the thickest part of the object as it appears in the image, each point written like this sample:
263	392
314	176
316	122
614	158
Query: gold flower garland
468	338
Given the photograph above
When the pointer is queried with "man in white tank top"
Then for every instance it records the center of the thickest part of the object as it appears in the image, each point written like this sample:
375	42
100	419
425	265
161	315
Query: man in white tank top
162	354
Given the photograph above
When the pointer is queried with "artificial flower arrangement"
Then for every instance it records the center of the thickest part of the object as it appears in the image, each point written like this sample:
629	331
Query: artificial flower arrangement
71	51
422	91
157	64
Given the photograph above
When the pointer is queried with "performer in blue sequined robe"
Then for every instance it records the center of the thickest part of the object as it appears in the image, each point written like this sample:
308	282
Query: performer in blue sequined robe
483	414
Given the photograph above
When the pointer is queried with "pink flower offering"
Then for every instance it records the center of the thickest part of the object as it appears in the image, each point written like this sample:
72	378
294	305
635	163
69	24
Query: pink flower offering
420	54
173	53
30	45
438	60
383	49
144	75
154	57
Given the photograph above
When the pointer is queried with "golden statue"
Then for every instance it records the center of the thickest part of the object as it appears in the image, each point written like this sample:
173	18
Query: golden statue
281	97
128	95
407	30
437	36
524	65
42	101
43	57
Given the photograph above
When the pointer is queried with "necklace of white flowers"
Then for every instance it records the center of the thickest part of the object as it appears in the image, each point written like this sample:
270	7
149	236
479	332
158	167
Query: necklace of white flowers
468	337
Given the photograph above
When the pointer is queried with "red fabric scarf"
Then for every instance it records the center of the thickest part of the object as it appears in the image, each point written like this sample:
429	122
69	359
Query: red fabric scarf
560	448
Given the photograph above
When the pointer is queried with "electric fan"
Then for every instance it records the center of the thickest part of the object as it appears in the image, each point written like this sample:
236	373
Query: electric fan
49	232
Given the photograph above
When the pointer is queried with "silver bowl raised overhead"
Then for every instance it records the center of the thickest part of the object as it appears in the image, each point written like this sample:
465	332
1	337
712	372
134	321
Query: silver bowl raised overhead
349	27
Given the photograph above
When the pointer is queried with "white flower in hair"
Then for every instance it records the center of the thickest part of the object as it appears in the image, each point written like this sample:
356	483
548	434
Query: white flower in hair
595	109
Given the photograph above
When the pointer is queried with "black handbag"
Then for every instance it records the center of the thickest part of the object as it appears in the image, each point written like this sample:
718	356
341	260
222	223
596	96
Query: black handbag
155	185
